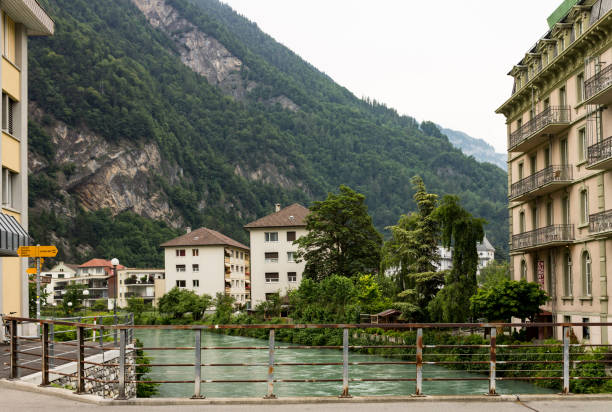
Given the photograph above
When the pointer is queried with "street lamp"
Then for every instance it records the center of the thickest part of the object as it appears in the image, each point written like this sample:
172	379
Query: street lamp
115	262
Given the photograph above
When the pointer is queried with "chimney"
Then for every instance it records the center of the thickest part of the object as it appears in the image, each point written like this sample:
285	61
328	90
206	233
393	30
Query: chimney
188	229
277	207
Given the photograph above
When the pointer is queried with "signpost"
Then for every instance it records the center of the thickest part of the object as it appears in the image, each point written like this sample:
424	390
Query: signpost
37	252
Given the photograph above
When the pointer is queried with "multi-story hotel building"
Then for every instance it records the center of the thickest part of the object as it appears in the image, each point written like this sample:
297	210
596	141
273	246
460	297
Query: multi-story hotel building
208	262
559	124
274	269
19	19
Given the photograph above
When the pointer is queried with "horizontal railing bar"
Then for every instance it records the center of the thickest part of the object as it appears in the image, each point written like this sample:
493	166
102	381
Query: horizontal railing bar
28	353
27	367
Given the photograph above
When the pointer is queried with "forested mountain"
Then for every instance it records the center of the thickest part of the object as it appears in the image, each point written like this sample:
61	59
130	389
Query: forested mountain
151	115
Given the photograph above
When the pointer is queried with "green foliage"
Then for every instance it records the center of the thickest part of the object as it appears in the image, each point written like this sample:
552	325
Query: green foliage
32	297
224	307
493	274
106	70
72	300
462	231
136	306
177	302
143	389
341	239
271	307
100	304
510	298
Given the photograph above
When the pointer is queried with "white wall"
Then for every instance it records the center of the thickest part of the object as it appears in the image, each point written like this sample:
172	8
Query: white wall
211	269
258	266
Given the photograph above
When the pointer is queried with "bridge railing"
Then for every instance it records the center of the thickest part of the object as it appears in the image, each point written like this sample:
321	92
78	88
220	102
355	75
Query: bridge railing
530	361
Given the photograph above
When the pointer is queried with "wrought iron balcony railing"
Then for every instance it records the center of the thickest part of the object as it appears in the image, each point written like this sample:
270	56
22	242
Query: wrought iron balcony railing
600	151
601	222
599	82
551	174
550	115
543	236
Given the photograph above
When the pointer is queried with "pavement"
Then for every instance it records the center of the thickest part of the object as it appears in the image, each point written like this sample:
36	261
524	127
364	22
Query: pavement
19	396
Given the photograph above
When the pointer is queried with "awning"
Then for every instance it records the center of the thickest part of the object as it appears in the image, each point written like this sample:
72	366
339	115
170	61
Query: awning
12	235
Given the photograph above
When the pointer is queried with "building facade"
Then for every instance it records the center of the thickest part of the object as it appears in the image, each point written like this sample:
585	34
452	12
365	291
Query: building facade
59	278
274	269
486	255
148	284
559	123
208	262
18	20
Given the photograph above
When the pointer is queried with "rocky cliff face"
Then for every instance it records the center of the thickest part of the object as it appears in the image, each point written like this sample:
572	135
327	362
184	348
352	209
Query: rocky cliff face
98	174
199	51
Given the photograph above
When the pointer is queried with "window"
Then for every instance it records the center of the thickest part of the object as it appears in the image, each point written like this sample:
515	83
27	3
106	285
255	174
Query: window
196	283
8	186
195	267
547	157
290	256
523	270
271	236
180	268
584	206
566	207
567	275
272	277
8	114
232	268
522	222
521	172
180	283
562	43
586	274
292	276
241	255
195	252
9	38
60	276
562	96
549	213
271	257
533	161
180	252
582	145
586	332
290	236
534	218
578	28
519	124
546	103
580	88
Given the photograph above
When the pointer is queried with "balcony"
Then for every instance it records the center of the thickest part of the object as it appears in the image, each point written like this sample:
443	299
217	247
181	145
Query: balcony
540	183
553	235
600	155
551	120
600	224
598	88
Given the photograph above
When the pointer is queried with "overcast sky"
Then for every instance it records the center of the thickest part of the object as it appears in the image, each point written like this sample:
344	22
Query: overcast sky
444	61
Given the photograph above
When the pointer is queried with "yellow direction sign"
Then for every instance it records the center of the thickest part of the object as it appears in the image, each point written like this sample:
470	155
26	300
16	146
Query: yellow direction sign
47	251
31	271
37	251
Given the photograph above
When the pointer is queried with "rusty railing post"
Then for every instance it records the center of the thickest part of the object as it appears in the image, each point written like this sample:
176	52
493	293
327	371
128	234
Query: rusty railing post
116	321
51	345
345	358
14	370
198	365
101	338
492	367
270	394
419	363
122	342
80	358
44	358
566	359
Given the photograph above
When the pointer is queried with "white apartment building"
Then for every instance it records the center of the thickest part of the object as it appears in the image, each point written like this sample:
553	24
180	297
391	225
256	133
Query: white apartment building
273	265
208	262
148	284
486	255
59	275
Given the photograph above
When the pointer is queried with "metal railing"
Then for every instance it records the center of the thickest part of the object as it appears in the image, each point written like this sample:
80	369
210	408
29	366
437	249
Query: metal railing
598	82
600	222
600	151
555	173
516	360
542	236
548	116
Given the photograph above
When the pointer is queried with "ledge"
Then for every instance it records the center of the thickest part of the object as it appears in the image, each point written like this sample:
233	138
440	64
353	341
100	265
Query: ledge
586	298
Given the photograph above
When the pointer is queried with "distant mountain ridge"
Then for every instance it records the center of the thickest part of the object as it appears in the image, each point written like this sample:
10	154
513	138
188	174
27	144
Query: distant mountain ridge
472	146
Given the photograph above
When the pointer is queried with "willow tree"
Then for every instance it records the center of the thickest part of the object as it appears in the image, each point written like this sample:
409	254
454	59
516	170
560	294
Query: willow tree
412	254
462	231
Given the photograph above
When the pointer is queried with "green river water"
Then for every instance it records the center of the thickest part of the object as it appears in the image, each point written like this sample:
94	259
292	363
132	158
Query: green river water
178	338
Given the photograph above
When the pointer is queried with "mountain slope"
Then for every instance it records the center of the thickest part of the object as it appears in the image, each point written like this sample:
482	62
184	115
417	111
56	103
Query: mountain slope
471	146
140	122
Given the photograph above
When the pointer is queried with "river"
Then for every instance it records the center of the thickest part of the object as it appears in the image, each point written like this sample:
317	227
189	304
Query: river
180	338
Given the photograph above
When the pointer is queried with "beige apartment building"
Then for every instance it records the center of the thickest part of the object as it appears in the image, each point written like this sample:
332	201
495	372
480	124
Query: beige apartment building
559	125
148	284
208	262
273	264
19	19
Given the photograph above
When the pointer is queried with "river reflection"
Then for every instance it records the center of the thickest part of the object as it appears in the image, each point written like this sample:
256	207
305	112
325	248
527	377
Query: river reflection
181	338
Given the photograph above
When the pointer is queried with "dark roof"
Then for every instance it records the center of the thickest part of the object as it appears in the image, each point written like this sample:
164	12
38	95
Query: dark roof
485	245
294	215
389	312
204	237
